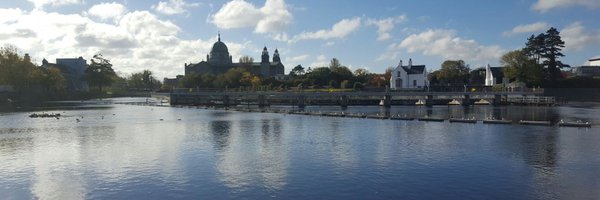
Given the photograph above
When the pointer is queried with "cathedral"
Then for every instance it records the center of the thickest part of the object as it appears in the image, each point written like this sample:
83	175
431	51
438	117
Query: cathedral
219	61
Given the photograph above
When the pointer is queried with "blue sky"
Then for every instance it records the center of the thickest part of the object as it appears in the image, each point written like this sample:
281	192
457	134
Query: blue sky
162	35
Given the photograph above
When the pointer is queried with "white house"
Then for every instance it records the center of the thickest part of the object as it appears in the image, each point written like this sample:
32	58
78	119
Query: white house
489	76
494	76
410	76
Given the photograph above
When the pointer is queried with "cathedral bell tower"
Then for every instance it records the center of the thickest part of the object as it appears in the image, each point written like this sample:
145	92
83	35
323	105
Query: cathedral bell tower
276	56
265	56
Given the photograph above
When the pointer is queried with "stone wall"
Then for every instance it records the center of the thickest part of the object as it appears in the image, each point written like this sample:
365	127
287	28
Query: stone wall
574	94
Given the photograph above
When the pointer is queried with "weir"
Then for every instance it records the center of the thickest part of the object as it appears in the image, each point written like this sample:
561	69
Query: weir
344	99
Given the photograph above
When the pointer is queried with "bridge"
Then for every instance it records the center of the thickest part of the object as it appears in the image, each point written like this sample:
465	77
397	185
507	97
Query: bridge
383	98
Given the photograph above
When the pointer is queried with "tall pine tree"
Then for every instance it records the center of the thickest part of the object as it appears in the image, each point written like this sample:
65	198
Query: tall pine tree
545	49
553	45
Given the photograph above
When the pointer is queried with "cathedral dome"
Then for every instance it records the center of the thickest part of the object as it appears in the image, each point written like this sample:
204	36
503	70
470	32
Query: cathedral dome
219	54
219	47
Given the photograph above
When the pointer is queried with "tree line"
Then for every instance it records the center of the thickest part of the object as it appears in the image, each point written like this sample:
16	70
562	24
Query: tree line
536	64
22	76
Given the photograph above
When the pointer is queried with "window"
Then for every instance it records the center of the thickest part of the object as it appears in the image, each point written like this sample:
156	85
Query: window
399	74
415	83
398	83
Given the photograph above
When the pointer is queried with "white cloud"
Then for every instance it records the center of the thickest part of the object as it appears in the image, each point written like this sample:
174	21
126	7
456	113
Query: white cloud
446	44
276	17
108	10
339	30
298	59
545	5
577	37
384	26
273	17
527	28
320	62
283	37
173	7
39	4
139	40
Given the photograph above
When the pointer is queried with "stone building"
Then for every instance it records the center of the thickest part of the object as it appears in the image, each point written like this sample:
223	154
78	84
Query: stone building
219	61
73	70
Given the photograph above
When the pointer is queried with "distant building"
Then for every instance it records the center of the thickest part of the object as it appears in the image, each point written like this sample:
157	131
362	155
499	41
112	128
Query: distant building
73	70
594	62
591	70
494	76
409	76
219	61
171	83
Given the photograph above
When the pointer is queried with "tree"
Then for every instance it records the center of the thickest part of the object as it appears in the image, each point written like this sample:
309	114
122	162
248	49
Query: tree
454	71
552	51
334	63
298	70
545	49
362	75
477	76
246	61
534	47
341	73
388	75
100	73
15	70
518	66
143	80
319	76
433	77
18	72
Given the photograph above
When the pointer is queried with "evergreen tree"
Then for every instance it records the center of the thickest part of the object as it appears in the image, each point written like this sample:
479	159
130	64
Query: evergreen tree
545	49
553	45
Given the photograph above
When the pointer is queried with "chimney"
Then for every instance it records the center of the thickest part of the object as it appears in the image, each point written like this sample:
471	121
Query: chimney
400	63
409	63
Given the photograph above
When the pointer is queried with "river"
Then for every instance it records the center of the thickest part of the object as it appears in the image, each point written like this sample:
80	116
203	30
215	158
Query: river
103	150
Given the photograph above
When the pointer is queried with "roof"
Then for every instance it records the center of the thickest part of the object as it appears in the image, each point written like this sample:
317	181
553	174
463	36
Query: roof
497	72
219	47
415	69
594	59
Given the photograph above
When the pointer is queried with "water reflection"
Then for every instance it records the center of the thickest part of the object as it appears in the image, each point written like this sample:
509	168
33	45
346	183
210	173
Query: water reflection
232	155
273	155
220	132
242	162
57	161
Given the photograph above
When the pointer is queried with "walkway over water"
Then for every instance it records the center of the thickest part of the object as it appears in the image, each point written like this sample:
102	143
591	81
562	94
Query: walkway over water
300	98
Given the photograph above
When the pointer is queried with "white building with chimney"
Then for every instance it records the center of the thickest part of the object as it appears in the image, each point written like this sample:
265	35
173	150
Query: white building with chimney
409	76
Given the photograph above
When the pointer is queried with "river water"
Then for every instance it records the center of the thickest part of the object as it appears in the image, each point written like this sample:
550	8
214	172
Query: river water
127	152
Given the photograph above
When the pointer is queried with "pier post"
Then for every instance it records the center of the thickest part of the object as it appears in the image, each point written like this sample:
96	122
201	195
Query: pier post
301	101
344	101
497	99
429	100
226	100
466	100
173	100
387	100
261	101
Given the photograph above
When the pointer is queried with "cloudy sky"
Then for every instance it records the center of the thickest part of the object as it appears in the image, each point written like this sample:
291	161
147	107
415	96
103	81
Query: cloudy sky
163	35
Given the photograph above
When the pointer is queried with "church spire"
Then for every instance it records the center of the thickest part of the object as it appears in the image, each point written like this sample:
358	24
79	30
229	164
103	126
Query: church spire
219	35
